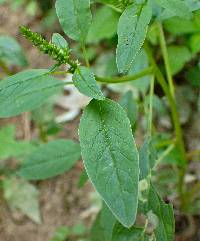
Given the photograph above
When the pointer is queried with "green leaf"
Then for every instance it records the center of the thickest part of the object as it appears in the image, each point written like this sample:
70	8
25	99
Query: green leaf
104	25
178	57
10	147
121	233
75	18
11	52
26	90
50	160
176	7
166	227
103	225
85	82
23	196
110	157
58	40
132	30
147	158
130	106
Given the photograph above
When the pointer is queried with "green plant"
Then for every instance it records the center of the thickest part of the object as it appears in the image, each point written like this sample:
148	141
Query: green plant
124	177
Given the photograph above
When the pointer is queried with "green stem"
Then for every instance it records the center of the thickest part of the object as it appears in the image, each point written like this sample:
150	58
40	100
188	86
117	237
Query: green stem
166	58
127	78
151	105
116	80
174	112
176	122
85	55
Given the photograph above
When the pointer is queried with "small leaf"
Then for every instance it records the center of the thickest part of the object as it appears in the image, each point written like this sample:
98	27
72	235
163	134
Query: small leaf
85	82
103	225
110	157
11	52
58	40
130	106
26	90
132	30
166	228
50	160
121	233
23	196
75	18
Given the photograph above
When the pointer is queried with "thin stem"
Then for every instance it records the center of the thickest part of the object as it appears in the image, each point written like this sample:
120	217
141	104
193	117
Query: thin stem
165	153
151	105
177	126
60	72
174	112
166	58
85	55
127	78
116	80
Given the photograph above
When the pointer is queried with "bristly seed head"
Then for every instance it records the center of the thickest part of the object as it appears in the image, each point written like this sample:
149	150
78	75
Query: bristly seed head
61	55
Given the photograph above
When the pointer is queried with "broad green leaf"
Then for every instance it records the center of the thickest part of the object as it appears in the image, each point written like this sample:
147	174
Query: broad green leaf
26	91
58	40
166	227
193	76
103	225
130	106
75	18
104	25
147	158
11	52
23	196
176	7
110	157
132	30
85	82
178	57
10	147
49	160
121	233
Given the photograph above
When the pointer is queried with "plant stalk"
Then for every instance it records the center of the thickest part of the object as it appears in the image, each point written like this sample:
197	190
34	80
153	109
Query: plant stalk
127	78
176	123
